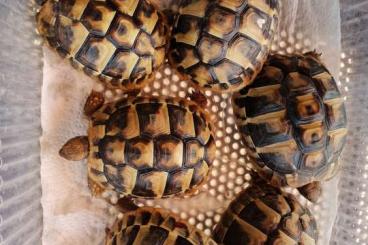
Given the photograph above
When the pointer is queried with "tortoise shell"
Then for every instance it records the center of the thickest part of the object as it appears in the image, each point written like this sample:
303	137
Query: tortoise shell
150	147
262	214
151	226
293	120
223	44
120	42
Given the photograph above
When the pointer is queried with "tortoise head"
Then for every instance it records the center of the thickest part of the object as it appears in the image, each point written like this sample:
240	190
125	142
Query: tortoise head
75	149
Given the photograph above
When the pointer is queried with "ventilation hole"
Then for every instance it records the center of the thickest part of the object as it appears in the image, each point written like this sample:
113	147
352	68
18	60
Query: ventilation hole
155	94
222	179
219	134
234	155
165	92
108	94
235	146
174	88
156	85
213	182
240	171
242	151
191	221
230	120
166	81
167	71
227	139
183	84
217	218
182	94
158	75
199	226
175	78
208	93
229	130
147	89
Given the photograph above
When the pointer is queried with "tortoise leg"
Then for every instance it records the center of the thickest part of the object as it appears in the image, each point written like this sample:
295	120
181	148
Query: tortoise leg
95	188
94	102
311	191
199	98
75	149
133	93
126	204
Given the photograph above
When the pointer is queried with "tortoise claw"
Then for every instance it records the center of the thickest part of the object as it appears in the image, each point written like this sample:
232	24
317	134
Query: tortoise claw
311	191
199	98
94	102
314	54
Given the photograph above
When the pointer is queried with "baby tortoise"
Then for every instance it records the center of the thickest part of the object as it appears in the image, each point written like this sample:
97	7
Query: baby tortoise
263	214
153	226
293	122
222	44
120	42
148	147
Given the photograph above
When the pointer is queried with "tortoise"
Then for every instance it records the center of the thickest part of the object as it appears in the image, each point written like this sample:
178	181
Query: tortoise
293	122
221	45
263	214
146	147
120	42
151	226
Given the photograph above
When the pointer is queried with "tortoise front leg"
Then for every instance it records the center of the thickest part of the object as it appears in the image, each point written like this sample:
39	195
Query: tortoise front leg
94	102
311	191
198	97
126	204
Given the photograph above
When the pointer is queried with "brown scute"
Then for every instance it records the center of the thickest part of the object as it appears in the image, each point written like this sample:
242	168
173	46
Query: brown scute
152	147
265	217
99	38
209	33
75	149
141	227
292	120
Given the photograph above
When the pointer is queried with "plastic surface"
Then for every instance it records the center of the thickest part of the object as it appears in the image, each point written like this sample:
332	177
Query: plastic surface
20	128
351	226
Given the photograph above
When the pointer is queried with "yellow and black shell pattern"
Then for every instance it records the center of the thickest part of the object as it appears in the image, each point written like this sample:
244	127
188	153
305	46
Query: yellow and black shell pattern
150	147
292	120
222	44
152	226
120	42
262	214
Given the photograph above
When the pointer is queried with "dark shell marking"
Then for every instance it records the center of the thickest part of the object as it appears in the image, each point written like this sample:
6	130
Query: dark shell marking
120	42
155	226
150	147
265	215
222	44
293	120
